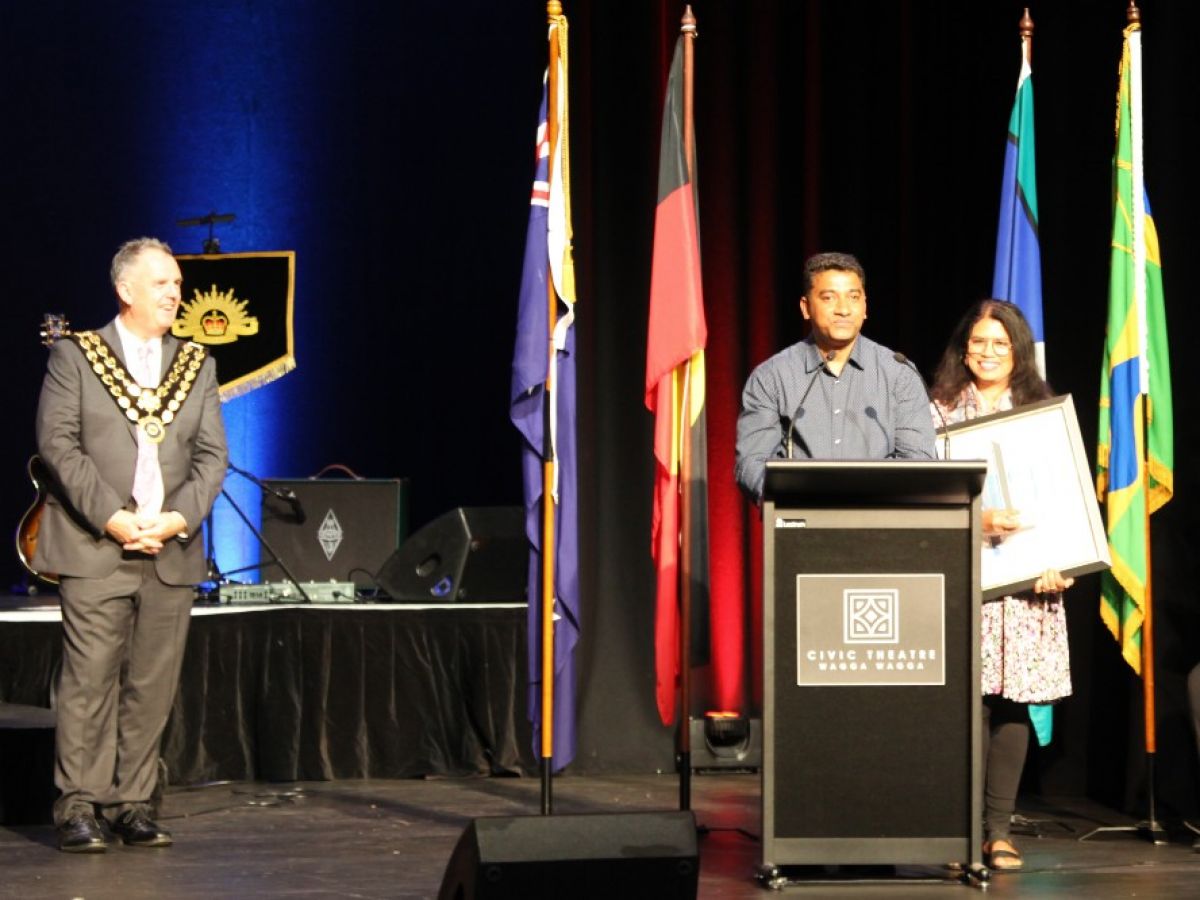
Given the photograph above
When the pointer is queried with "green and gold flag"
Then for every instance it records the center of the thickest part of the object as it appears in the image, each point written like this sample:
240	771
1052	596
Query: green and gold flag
1135	462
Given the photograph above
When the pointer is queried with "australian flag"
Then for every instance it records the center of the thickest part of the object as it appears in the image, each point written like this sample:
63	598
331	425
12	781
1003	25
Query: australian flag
543	410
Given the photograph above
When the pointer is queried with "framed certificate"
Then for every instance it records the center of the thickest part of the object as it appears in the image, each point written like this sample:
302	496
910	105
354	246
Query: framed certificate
1036	465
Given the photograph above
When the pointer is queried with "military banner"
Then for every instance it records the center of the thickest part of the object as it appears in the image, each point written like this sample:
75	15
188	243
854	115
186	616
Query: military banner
239	306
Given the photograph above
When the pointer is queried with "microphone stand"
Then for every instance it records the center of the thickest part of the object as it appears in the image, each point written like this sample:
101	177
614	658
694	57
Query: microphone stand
905	361
275	560
791	429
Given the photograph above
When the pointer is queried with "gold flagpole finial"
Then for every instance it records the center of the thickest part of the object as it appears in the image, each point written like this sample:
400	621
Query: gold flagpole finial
553	9
1026	25
1133	15
687	24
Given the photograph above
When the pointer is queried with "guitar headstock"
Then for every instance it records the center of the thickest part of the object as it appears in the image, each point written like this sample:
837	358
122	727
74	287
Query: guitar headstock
54	327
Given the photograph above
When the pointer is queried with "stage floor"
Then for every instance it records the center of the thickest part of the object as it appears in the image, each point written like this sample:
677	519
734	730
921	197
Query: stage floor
377	839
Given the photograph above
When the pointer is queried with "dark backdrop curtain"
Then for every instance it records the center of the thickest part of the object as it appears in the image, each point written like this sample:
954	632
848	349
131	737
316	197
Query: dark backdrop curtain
390	146
877	129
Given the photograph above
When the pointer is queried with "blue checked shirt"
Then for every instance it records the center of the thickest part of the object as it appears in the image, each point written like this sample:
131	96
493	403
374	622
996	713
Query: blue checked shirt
876	409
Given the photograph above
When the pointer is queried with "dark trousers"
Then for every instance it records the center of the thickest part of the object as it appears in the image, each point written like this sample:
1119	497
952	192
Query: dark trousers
1193	690
1005	743
123	642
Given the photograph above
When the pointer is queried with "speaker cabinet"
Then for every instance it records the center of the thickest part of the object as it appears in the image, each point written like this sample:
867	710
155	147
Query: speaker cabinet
605	856
341	530
467	555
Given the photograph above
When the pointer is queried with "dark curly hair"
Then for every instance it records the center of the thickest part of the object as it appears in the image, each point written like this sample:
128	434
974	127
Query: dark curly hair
952	375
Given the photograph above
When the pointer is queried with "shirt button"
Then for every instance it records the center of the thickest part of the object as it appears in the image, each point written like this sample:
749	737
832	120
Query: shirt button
836	411
837	440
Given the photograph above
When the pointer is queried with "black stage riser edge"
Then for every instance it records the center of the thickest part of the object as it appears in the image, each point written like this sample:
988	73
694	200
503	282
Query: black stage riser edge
607	855
26	774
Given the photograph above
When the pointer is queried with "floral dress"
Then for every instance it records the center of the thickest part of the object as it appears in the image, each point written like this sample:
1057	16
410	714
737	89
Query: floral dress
1024	638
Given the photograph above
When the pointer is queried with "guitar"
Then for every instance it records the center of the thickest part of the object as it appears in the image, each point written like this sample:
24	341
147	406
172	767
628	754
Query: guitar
54	327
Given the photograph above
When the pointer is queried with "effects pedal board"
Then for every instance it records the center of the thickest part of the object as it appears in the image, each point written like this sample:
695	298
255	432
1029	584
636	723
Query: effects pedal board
271	592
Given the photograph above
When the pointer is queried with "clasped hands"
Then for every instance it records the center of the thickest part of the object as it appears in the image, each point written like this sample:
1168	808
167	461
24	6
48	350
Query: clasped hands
998	524
144	534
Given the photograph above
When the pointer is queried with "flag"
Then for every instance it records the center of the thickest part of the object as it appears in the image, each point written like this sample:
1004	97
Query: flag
1135	462
543	410
675	394
1017	276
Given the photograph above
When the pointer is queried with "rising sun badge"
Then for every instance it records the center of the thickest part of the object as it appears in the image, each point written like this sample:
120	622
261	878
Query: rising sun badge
214	318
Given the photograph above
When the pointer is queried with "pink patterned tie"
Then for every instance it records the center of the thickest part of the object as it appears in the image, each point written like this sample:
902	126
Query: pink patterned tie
147	478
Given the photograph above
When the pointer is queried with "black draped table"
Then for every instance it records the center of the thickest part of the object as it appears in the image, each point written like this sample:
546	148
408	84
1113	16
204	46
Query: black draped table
300	693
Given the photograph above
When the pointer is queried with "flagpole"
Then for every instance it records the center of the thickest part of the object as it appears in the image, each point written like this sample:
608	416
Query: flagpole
1152	828
1154	831
688	29
553	11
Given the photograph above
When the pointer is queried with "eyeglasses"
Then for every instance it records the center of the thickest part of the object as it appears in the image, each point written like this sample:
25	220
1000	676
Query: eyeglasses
978	346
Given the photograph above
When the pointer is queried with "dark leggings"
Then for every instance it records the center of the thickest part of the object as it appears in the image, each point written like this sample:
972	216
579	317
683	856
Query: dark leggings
1005	743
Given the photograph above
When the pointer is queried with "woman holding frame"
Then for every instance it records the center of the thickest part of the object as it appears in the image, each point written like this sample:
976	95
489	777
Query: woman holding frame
989	366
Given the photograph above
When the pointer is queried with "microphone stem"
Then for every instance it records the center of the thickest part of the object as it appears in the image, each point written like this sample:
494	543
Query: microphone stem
800	406
905	361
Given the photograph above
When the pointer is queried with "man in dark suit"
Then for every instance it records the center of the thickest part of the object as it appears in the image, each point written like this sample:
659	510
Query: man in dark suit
129	425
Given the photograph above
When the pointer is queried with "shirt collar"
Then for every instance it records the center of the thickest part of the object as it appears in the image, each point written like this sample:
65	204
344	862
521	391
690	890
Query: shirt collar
814	359
131	340
857	352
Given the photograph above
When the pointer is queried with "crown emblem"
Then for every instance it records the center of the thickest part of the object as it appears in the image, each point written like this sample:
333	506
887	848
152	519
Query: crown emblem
215	317
215	323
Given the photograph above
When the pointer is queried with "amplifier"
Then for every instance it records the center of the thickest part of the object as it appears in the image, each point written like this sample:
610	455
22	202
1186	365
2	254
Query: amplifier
286	592
339	529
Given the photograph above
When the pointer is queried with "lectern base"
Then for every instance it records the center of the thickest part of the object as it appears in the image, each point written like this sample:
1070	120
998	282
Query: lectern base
776	878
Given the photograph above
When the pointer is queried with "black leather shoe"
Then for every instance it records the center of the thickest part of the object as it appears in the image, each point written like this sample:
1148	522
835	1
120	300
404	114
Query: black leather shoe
81	833
136	829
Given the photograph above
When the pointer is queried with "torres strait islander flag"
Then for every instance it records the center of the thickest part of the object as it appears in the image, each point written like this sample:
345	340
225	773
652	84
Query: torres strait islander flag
1017	276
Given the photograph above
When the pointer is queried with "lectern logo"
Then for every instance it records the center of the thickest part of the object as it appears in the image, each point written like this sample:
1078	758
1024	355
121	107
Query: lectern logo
871	616
330	534
849	630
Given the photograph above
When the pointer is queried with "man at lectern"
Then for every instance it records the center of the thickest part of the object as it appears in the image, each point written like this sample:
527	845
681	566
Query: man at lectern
129	425
836	394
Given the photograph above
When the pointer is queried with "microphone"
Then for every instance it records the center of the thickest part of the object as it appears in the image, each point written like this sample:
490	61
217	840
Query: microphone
905	361
289	497
800	406
873	414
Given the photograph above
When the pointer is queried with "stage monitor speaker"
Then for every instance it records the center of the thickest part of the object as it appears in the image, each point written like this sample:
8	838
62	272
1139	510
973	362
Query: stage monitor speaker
621	855
467	555
336	529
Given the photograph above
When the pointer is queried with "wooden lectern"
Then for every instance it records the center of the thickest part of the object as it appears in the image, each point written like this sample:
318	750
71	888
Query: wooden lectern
871	746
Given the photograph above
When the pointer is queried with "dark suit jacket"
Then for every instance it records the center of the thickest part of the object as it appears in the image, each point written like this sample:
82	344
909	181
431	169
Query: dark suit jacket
90	447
